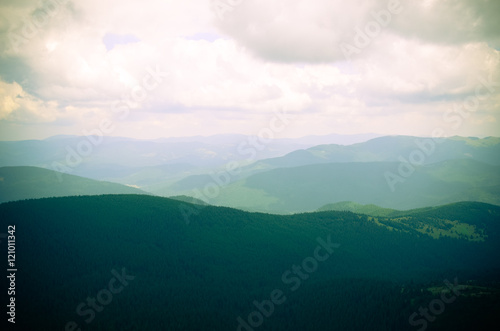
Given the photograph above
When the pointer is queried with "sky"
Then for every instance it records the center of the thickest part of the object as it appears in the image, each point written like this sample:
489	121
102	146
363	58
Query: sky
288	68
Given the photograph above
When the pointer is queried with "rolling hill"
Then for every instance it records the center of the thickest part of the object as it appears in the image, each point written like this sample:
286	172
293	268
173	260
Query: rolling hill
307	188
116	158
171	166
382	149
150	270
451	211
358	208
19	183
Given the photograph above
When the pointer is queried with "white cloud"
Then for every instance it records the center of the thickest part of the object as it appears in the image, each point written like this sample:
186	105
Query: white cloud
18	106
230	75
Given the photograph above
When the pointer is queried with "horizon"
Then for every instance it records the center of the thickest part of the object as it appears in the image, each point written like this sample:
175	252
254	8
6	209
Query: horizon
375	136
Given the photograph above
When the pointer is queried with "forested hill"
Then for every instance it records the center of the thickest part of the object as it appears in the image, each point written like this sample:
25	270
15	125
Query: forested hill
19	183
356	272
463	210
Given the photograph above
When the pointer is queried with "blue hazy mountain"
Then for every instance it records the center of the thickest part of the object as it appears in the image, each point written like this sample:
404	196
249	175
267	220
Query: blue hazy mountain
147	163
307	188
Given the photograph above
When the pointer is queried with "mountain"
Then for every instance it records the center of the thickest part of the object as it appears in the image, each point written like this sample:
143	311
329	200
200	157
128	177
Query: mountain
391	149
160	166
149	163
434	221
19	183
451	211
198	151
358	208
130	262
422	151
307	188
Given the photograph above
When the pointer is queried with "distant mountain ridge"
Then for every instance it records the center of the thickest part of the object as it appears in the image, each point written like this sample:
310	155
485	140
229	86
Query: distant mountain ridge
448	170
20	183
381	149
390	149
130	161
197	150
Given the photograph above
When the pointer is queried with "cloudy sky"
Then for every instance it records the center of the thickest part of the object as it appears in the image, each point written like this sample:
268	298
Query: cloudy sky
160	68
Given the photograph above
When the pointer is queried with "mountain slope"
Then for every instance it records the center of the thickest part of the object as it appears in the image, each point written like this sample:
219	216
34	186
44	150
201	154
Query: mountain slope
307	188
18	183
149	164
390	149
129	155
358	208
223	261
383	149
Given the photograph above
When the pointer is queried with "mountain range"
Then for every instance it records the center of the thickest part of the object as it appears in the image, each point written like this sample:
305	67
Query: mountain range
396	172
297	237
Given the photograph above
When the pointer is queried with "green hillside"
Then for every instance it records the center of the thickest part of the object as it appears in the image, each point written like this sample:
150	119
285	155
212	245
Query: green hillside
19	183
224	263
358	208
452	220
307	188
451	211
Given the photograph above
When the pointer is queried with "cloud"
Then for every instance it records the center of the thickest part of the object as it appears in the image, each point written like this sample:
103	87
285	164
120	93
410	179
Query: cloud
18	106
263	56
451	21
302	31
416	72
295	30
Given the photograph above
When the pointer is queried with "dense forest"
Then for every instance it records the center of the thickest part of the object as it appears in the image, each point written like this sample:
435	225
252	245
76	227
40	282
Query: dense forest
150	268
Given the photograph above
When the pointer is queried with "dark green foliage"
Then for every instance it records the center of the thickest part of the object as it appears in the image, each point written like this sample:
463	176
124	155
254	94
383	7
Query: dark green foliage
203	275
